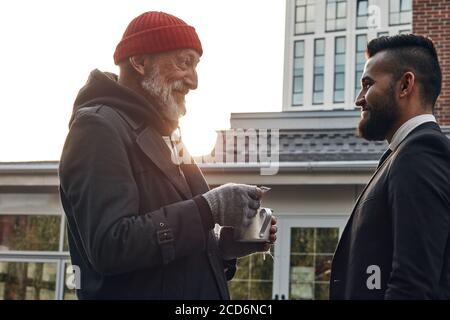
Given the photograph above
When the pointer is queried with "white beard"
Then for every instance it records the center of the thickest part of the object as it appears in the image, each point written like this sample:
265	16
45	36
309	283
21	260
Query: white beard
166	103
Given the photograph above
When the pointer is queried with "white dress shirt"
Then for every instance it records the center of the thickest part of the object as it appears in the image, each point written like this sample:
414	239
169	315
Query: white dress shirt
407	127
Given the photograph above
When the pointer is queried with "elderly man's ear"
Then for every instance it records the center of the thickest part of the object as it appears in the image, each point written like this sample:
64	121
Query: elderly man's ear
138	63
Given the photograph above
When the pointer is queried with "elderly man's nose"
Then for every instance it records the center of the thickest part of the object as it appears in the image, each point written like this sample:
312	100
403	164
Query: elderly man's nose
191	80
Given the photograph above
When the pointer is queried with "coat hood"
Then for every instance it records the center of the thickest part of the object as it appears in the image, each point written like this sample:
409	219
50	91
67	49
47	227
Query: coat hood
103	88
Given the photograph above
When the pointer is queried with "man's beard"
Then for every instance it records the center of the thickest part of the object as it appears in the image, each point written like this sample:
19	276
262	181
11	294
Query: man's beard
166	104
380	119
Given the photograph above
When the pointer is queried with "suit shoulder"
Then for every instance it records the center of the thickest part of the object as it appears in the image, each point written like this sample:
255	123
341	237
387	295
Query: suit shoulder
427	140
423	153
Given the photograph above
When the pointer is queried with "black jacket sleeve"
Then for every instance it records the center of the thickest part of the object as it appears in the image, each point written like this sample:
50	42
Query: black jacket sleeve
419	195
97	181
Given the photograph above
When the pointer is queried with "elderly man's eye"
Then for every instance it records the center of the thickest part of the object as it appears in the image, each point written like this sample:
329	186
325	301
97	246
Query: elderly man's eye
183	63
185	59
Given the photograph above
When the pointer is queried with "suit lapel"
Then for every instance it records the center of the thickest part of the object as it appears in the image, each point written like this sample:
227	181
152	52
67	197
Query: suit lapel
156	149
349	222
382	165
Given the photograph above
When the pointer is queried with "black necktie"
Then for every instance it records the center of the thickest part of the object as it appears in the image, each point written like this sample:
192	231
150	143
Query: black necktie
384	157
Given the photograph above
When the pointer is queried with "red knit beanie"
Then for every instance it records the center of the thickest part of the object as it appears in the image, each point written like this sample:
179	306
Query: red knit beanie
153	32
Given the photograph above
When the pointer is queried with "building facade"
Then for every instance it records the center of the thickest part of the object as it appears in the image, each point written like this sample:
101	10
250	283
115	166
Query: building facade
308	154
34	257
324	48
432	18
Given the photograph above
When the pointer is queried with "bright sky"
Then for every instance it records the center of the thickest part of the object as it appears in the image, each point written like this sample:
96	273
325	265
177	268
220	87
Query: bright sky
49	47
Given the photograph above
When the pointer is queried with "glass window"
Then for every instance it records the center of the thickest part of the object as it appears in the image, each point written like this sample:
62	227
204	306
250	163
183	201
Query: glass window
336	15
298	84
318	97
362	13
253	279
319	64
318	82
341	9
319	47
312	251
301	13
400	12
339	82
304	16
361	42
27	280
339	95
299	57
404	31
362	8
66	240
339	70
405	5
297	99
29	232
383	34
394	5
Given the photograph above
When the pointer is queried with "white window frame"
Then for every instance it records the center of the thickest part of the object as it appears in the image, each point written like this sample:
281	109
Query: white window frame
282	245
60	257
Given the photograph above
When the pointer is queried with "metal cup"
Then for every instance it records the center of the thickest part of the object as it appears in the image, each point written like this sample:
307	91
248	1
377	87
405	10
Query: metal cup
258	230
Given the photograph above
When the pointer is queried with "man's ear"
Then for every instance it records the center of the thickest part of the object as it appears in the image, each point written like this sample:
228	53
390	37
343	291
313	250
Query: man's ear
138	64
407	84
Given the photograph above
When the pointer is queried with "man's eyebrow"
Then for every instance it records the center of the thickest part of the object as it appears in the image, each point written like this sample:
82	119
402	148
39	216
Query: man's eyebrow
193	57
365	79
190	56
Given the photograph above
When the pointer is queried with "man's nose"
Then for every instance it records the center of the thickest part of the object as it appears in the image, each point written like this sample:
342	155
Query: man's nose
360	101
191	80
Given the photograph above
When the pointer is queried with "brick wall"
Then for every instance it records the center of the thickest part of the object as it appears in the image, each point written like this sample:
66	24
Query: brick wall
432	18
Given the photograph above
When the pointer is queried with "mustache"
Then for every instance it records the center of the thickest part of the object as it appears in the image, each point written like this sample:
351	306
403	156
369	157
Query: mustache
178	85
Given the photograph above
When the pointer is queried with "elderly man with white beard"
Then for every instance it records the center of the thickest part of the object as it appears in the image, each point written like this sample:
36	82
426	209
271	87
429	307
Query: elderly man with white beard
140	226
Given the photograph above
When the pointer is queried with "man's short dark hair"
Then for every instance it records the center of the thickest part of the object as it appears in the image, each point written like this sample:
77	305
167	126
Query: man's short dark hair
414	53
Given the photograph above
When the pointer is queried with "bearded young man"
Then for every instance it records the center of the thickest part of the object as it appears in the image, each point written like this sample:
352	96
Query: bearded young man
396	244
140	224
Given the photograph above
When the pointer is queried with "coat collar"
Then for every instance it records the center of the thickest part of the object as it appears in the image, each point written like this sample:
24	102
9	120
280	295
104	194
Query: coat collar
135	125
154	147
194	177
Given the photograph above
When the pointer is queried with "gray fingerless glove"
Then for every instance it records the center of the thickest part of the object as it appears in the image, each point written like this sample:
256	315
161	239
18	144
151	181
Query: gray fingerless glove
232	203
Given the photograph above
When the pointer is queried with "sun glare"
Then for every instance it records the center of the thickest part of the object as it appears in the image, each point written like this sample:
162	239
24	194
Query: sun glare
198	138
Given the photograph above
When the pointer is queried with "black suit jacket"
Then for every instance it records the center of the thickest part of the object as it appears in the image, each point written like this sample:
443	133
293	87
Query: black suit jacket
396	243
